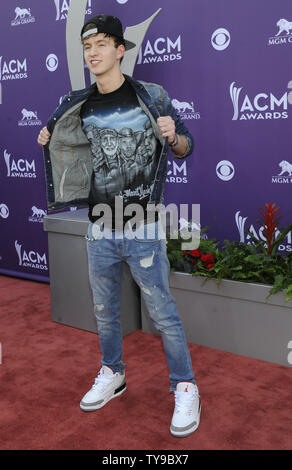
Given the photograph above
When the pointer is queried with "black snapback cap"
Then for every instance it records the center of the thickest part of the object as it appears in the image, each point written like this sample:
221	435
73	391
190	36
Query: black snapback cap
106	24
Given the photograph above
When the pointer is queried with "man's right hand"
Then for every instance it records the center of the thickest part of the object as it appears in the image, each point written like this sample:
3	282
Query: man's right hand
44	136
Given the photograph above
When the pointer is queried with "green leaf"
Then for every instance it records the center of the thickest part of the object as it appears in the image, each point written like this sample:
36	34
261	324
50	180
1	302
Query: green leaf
247	262
257	242
289	293
280	238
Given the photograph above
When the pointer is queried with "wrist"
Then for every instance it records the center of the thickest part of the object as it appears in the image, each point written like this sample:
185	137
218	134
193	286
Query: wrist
176	141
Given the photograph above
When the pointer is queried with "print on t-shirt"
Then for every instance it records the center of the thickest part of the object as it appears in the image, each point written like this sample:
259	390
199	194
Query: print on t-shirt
124	148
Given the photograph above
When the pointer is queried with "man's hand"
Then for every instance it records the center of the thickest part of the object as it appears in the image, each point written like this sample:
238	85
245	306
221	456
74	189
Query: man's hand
44	136
167	127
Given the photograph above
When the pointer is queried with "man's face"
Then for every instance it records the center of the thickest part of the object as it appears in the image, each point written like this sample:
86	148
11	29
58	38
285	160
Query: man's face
100	54
150	141
109	144
128	145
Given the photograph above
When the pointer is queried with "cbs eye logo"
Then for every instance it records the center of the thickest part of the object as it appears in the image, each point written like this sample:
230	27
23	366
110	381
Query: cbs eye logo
225	170
4	211
52	62
220	39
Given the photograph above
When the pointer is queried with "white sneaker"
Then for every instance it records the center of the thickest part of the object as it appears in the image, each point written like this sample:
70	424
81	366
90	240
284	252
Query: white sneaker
186	416
106	386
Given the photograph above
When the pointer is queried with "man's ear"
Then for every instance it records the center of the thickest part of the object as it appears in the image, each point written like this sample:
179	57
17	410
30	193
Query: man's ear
121	51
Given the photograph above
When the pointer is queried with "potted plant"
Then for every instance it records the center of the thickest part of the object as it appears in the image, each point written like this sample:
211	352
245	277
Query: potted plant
235	296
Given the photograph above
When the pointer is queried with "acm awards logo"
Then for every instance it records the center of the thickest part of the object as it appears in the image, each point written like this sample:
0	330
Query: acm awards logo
244	229
30	258
19	168
263	106
22	16
177	173
13	69
62	7
284	34
163	49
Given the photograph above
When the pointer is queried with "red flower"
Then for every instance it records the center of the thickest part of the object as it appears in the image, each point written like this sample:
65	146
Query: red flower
185	253
196	253
208	258
269	224
210	266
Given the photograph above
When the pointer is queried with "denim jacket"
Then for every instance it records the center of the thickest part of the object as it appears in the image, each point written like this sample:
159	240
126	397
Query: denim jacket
68	157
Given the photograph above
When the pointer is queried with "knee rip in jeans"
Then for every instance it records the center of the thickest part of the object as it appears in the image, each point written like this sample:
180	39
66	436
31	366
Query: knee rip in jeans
147	262
99	307
144	289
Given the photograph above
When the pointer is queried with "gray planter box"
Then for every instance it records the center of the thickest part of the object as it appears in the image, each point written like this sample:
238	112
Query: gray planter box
231	317
71	295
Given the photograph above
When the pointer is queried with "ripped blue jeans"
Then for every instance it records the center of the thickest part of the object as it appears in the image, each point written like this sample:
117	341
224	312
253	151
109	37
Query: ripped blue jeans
146	256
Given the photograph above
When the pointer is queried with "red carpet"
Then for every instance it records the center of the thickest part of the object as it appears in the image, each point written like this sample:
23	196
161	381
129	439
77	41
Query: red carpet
47	367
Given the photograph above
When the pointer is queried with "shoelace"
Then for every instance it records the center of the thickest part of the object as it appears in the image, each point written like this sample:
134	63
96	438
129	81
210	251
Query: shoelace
102	381
184	401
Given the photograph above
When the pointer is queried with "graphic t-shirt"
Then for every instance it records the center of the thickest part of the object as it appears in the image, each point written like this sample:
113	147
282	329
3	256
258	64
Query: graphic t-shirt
125	150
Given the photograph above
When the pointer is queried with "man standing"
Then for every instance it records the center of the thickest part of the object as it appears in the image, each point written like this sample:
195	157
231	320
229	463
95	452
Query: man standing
117	102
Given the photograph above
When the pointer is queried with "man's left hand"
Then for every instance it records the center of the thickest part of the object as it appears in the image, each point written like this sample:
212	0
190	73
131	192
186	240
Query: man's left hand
167	127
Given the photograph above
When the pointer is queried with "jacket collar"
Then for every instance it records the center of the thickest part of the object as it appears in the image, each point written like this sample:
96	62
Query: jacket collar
93	88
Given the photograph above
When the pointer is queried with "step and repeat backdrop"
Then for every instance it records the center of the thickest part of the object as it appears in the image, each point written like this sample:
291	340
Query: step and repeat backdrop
227	68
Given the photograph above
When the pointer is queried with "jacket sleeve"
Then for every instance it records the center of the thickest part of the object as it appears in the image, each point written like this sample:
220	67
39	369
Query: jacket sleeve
180	128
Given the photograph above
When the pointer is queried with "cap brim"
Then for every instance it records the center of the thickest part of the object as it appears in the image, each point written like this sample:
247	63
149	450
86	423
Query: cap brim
129	45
